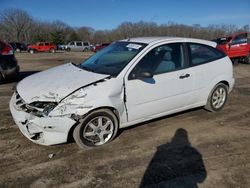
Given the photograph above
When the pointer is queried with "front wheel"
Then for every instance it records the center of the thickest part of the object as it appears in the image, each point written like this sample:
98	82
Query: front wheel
217	98
96	129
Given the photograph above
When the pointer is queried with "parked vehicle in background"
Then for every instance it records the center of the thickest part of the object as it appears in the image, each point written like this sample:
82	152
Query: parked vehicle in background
236	46
61	47
18	46
128	82
8	63
98	47
78	46
42	47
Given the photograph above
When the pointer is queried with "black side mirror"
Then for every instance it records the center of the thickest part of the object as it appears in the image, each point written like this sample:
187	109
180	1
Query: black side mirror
145	74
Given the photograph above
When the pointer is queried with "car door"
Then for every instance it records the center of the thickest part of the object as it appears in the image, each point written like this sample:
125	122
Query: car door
79	46
40	47
167	91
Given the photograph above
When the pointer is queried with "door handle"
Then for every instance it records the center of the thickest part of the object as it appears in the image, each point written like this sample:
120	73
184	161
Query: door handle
184	76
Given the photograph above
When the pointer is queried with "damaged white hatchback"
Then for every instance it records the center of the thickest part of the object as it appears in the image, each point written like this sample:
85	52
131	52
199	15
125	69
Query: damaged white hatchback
128	82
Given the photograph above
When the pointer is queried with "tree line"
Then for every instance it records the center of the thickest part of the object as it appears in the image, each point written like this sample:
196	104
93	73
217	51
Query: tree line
17	25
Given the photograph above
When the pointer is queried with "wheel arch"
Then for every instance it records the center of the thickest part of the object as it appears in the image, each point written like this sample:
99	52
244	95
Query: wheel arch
224	82
77	118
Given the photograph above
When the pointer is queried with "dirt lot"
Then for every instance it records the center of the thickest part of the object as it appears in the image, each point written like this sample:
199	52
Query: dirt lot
191	148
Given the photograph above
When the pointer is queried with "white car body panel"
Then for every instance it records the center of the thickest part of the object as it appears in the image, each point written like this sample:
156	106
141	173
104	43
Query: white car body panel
168	92
78	92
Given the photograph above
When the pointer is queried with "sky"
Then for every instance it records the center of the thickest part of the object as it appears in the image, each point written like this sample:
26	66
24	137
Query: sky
108	14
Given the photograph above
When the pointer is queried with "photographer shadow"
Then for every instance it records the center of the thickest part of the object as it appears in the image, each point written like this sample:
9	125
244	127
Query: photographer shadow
175	164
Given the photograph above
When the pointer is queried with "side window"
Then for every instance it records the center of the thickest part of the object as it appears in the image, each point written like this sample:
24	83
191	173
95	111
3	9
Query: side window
72	43
162	59
85	44
78	43
200	54
240	39
46	44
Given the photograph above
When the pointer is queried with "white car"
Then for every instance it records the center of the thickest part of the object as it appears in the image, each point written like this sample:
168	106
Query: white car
128	82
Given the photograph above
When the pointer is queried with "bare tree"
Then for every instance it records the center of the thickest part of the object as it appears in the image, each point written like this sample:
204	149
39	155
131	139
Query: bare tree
15	24
18	25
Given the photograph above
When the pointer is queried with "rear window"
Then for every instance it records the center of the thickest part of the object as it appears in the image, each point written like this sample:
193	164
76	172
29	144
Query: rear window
200	54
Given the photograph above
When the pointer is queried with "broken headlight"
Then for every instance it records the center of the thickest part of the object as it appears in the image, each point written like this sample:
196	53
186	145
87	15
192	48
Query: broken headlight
48	108
44	107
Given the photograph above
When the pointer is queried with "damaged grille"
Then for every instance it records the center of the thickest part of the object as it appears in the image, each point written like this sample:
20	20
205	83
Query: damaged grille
21	105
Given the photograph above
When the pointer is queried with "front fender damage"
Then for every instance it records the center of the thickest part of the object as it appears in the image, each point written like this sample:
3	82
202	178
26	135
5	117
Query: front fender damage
86	99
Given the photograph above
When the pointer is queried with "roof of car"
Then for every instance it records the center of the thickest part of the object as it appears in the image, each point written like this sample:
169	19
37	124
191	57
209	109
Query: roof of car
153	40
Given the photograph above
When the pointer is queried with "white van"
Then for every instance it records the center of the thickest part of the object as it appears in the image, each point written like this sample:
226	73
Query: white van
78	46
128	82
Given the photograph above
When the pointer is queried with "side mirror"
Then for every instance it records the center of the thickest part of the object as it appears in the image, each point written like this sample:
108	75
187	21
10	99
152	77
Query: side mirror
145	74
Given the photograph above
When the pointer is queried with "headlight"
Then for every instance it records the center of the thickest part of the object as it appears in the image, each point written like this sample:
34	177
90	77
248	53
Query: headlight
48	108
44	107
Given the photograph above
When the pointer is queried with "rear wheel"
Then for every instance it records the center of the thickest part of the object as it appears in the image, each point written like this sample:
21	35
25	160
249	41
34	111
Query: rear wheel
52	50
96	129
217	98
67	49
32	51
247	59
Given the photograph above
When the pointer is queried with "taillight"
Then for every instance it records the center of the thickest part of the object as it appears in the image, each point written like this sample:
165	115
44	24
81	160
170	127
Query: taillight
7	50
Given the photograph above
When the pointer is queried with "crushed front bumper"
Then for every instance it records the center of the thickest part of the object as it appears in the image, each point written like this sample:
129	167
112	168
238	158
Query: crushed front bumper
41	130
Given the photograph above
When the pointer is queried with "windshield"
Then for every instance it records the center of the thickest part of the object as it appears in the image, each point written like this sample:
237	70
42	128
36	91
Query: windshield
112	59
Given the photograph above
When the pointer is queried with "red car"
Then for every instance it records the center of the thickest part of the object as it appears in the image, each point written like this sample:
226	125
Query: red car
42	47
99	47
236	46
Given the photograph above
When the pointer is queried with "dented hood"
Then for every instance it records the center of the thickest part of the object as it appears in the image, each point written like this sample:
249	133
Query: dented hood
56	83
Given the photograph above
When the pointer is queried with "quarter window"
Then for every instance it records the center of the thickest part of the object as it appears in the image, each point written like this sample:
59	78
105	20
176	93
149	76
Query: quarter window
200	54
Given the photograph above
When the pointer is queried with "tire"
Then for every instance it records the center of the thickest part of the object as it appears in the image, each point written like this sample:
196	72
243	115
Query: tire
96	129
68	49
247	59
32	51
85	50
1	78
18	50
217	98
52	50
